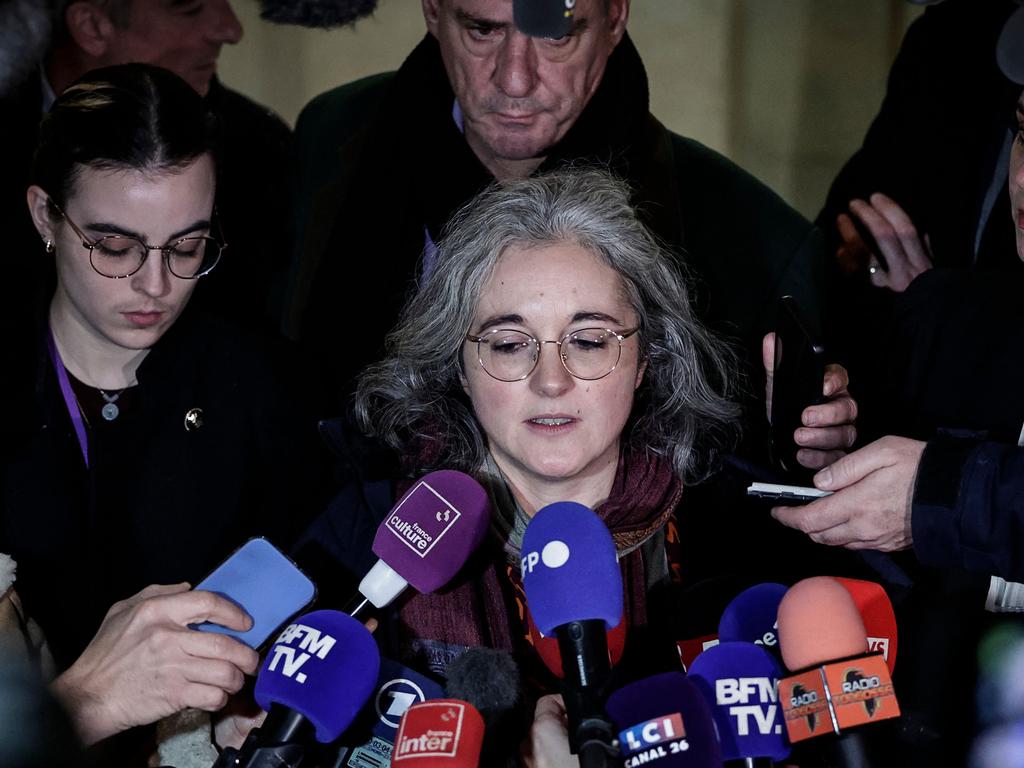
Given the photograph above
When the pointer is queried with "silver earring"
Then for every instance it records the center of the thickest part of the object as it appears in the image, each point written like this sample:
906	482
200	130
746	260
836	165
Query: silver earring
49	246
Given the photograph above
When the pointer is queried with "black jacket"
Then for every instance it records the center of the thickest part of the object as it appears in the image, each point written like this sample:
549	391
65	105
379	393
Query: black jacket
159	503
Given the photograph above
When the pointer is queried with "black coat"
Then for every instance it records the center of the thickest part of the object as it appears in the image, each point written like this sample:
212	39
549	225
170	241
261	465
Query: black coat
158	503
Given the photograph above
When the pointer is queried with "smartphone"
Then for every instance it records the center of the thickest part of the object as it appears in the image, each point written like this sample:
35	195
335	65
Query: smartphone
264	583
786	495
798	382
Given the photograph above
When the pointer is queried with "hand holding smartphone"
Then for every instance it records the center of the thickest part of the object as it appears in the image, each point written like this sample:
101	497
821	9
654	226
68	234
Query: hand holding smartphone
799	377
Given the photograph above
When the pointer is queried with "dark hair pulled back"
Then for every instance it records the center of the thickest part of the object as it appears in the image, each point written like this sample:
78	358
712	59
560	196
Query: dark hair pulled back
129	116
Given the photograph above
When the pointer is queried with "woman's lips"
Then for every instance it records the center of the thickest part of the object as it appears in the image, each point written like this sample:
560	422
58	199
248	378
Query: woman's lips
143	319
551	424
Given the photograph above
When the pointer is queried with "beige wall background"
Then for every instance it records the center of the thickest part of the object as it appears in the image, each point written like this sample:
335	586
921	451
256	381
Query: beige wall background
786	88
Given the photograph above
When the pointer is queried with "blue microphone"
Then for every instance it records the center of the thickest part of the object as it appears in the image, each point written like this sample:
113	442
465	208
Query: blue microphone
664	721
740	683
752	617
316	677
574	590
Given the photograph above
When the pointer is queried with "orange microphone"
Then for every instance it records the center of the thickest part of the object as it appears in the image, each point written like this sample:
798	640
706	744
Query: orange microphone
837	684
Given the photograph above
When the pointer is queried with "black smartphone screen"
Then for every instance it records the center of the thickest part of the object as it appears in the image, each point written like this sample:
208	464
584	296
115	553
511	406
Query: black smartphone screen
799	377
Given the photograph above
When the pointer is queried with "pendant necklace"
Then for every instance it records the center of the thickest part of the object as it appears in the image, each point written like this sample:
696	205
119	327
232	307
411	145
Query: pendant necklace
110	411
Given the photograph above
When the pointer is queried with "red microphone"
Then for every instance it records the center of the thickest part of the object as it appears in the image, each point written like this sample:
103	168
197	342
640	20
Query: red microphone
879	618
547	647
439	733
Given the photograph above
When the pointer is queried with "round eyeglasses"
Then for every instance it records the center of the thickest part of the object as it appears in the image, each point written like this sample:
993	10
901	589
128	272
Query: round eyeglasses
588	354
117	256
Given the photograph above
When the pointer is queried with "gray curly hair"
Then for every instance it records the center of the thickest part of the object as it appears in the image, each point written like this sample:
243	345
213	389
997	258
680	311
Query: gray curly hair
413	399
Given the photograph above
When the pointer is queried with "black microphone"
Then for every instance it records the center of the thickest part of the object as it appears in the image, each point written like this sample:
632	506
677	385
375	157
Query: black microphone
544	18
490	681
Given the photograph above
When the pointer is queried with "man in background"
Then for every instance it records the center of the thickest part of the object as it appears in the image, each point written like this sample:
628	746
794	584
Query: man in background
384	162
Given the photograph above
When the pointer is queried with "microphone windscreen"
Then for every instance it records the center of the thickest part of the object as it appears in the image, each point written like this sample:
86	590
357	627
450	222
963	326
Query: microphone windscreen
318	14
549	652
490	681
877	613
819	622
543	18
740	683
443	733
569	567
433	529
664	720
486	678
323	666
752	616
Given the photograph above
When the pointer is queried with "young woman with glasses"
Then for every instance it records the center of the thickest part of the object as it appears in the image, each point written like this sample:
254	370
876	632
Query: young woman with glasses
150	441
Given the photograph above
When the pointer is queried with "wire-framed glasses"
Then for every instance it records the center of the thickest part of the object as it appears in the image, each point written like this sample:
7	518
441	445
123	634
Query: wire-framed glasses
117	256
589	353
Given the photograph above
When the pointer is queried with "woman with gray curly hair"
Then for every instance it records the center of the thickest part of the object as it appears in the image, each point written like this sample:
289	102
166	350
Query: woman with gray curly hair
552	353
543	236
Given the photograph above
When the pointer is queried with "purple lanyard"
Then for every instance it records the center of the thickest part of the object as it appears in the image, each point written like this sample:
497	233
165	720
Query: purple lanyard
69	397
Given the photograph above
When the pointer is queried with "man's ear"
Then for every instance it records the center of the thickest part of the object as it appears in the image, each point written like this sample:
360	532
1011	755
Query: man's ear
90	27
39	209
618	16
432	15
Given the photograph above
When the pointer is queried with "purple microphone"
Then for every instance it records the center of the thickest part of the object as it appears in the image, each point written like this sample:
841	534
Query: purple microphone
316	677
427	537
740	683
574	590
664	720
